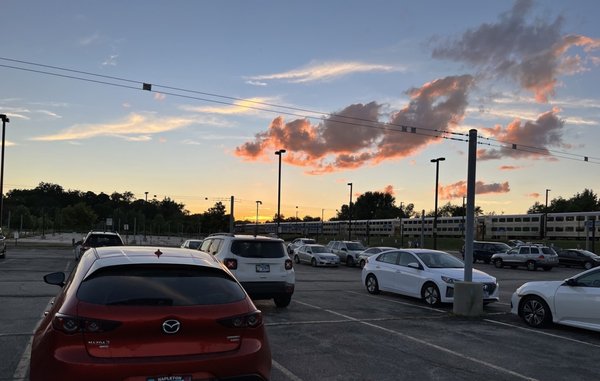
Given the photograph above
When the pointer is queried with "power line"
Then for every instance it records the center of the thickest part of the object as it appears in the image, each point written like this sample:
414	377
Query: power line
347	120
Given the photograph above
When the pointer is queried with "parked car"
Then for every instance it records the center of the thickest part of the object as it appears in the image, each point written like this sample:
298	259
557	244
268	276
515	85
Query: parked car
348	251
362	257
578	257
259	263
192	244
316	255
422	273
97	239
296	243
574	301
148	314
483	251
2	246
531	256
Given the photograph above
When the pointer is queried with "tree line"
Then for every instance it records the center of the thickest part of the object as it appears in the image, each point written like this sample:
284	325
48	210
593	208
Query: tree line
50	208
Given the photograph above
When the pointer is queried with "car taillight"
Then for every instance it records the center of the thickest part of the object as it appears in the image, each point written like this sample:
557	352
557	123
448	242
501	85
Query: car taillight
251	320
541	257
230	263
74	324
289	264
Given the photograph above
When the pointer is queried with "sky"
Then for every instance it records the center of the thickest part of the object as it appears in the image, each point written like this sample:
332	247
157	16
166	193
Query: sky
361	92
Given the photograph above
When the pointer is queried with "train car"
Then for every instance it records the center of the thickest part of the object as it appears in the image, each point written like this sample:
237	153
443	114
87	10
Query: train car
511	226
576	225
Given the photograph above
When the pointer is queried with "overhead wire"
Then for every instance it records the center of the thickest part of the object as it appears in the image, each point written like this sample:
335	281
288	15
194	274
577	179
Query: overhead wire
293	111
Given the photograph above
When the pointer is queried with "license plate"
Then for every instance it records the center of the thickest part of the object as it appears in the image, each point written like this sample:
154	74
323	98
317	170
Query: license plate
263	268
170	378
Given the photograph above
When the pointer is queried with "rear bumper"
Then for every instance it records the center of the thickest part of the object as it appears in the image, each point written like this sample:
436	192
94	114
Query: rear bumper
268	290
251	361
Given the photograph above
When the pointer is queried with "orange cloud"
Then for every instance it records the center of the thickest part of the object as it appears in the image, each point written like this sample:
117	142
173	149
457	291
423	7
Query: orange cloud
459	189
509	167
355	137
534	195
533	137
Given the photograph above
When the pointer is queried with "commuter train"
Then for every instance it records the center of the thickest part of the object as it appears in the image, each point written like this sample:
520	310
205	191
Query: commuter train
575	225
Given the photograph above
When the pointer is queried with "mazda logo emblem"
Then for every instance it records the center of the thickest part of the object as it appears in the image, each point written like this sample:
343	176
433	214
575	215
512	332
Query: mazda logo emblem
171	326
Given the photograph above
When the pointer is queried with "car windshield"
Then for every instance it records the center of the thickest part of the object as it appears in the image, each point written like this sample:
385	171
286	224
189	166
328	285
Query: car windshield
319	249
439	260
258	249
159	285
355	246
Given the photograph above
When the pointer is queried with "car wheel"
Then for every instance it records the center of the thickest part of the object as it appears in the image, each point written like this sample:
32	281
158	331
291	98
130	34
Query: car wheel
588	265
498	263
296	259
349	261
531	266
547	268
282	301
362	263
535	312
372	284
430	294
313	262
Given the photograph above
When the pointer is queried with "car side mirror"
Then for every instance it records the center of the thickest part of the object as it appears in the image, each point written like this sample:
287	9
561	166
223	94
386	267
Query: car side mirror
571	282
55	279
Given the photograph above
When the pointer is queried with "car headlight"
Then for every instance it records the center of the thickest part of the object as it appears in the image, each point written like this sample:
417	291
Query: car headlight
449	280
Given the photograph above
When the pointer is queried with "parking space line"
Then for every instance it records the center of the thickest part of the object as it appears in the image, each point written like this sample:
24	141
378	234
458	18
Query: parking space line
425	343
285	371
542	333
399	302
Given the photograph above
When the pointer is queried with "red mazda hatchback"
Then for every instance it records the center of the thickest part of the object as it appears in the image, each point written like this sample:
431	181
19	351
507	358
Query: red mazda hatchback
148	314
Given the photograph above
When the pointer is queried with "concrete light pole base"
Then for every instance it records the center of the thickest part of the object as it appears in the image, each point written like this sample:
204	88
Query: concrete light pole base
468	299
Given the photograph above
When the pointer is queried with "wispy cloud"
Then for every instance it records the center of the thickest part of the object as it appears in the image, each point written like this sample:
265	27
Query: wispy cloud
88	40
324	72
135	127
111	60
250	106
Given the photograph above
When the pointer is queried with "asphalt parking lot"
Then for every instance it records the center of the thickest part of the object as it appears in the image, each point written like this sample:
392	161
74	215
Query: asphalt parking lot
335	330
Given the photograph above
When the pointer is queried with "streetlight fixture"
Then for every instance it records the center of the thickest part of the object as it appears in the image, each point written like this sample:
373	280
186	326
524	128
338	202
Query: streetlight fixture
546	215
435	212
279	153
4	121
256	225
350	215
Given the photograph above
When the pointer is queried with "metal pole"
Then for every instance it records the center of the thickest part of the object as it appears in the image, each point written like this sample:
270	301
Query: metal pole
470	230
256	225
546	216
435	212
350	215
4	121
232	218
279	153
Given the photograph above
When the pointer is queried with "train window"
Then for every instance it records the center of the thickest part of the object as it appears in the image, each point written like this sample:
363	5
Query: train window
526	219
518	229
579	229
560	229
569	229
535	219
570	218
534	229
525	228
580	218
518	219
509	220
550	229
550	218
494	220
560	218
501	219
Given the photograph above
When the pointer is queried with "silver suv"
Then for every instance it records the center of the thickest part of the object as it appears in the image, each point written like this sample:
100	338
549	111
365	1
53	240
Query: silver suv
348	251
531	256
259	263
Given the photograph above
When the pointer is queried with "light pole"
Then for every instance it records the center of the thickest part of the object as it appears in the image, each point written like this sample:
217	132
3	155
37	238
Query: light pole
435	212
279	153
145	213
256	225
350	215
296	213
4	121
546	215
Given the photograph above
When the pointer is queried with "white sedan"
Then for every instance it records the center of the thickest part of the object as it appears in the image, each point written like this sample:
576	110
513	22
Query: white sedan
421	273
316	255
574	302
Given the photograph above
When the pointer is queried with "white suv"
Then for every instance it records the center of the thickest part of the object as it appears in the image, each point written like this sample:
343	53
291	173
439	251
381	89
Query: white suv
260	264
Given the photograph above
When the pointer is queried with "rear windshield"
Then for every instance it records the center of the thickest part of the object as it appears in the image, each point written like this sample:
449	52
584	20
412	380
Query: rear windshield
258	249
548	250
159	285
104	240
355	246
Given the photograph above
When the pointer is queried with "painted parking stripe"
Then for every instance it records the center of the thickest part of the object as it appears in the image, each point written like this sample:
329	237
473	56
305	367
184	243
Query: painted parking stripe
398	302
285	371
425	343
537	331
